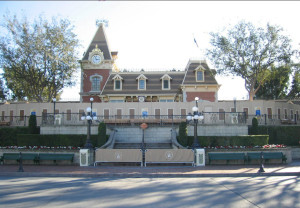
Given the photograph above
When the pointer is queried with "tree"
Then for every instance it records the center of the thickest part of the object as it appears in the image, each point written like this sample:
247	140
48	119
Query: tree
250	52
3	91
38	59
277	85
295	88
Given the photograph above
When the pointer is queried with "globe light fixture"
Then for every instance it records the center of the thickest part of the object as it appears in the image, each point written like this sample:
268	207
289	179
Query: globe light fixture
89	117
194	118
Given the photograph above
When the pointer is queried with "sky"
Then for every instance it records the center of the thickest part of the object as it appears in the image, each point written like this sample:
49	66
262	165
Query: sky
160	34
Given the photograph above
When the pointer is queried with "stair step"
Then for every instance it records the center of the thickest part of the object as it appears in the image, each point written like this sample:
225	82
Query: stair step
147	145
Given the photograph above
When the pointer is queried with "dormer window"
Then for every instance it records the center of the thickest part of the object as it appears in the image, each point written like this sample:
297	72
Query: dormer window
165	82
142	82
117	82
199	74
96	82
142	85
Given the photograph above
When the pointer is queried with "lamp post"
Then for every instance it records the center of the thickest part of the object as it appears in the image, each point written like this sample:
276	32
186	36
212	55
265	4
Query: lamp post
89	117
195	117
234	104
54	101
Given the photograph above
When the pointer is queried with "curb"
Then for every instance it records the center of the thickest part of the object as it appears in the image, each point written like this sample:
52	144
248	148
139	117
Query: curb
144	175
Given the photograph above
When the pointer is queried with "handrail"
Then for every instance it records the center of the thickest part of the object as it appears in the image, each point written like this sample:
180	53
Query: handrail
111	141
174	141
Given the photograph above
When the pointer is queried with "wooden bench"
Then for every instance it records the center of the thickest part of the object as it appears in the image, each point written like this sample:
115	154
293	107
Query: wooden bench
266	156
16	156
226	156
56	157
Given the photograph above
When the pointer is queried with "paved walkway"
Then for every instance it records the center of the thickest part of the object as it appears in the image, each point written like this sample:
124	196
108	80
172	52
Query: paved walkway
291	169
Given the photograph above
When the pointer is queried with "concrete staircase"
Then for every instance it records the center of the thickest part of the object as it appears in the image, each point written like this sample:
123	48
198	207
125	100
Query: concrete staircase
131	138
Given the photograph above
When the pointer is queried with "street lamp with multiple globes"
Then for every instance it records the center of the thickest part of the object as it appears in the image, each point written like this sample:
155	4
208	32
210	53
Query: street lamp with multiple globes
195	118
89	117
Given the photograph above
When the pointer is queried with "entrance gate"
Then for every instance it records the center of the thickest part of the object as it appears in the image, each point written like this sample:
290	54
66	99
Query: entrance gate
151	156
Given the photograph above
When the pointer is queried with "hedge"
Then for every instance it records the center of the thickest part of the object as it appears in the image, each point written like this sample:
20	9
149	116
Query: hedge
288	135
8	135
214	141
56	140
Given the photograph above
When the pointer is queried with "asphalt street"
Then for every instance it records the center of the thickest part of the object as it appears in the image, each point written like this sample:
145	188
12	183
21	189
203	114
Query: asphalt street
280	191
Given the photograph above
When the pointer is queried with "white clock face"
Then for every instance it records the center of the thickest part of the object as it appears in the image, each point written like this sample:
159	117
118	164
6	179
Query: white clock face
96	59
141	99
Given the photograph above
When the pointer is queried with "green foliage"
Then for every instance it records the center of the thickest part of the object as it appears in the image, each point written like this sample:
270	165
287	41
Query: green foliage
39	58
183	138
214	141
102	138
54	140
254	126
8	135
3	91
250	52
295	88
32	128
277	85
287	135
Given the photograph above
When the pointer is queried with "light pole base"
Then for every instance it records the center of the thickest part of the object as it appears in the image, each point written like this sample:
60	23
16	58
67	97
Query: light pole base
199	157
86	157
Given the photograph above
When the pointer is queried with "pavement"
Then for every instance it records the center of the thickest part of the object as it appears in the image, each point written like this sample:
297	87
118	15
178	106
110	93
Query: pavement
290	169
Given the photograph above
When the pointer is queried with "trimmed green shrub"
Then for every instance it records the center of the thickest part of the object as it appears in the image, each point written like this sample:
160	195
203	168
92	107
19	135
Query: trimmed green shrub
54	140
8	135
102	138
32	125
215	141
183	138
254	126
287	135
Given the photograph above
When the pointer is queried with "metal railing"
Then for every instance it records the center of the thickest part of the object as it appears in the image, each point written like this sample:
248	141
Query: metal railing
152	120
17	120
210	118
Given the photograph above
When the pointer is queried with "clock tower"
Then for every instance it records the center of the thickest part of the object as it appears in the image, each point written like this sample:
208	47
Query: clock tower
96	66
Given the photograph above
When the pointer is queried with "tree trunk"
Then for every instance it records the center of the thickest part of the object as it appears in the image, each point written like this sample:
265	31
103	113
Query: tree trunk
251	95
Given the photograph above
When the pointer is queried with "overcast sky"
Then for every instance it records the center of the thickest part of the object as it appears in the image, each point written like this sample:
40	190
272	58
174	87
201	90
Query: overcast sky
160	35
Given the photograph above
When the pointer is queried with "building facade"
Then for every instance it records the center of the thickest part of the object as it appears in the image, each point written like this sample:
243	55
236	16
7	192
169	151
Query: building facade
126	94
102	80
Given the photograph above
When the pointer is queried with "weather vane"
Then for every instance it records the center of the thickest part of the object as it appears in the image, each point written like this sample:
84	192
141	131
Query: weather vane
102	21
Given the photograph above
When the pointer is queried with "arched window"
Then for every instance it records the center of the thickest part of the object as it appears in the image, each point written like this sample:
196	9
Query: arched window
96	82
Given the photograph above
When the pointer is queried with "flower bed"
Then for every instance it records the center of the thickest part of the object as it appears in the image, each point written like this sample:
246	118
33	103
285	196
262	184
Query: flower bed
42	147
268	146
